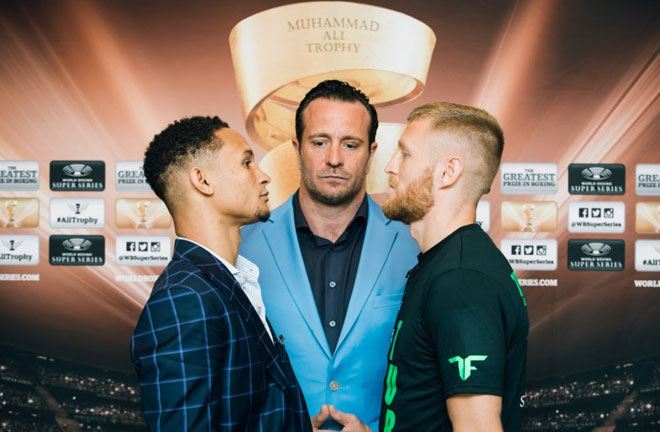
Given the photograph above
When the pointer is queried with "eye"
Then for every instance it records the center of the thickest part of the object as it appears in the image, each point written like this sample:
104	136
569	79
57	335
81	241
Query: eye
351	145
247	162
318	143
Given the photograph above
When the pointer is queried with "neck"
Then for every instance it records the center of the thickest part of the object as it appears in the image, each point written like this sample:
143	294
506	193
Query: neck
328	221
223	237
441	221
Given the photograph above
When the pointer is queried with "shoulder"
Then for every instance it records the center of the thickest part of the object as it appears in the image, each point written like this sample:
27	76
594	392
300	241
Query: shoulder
467	289
185	287
480	253
470	251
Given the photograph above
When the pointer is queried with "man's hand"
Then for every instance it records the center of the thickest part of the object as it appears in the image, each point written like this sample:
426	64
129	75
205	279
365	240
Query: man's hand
320	418
350	421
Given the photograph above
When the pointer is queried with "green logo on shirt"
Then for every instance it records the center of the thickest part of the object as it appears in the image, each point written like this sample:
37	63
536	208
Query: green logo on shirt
465	367
390	385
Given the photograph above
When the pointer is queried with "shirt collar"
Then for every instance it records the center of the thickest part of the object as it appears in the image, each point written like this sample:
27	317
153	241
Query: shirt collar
243	265
301	222
424	256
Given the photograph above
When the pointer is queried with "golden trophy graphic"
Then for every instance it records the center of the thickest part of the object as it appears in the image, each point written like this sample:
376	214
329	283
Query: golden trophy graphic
647	218
19	212
529	216
141	213
528	213
384	53
10	209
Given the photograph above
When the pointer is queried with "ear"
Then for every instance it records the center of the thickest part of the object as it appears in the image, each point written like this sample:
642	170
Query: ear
200	181
449	171
296	148
372	150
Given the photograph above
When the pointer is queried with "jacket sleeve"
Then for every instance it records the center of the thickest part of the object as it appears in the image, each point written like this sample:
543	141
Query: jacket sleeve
181	351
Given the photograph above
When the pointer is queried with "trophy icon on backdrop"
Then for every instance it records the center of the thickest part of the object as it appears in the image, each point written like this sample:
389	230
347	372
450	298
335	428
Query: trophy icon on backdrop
77	207
10	211
142	207
529	213
12	244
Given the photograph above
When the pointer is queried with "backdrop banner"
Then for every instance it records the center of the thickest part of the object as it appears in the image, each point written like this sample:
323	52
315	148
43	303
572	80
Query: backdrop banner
575	206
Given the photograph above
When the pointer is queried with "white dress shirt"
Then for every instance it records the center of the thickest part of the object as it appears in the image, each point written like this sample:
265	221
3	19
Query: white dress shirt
246	274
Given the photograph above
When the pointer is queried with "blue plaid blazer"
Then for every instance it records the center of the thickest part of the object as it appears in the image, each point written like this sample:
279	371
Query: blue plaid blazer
204	359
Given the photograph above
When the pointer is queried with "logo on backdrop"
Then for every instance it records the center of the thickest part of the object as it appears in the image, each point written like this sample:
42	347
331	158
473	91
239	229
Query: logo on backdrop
19	175
528	178
85	176
19	250
77	250
143	250
647	217
531	216
647	255
597	255
647	179
596	217
19	212
596	179
129	176
483	215
530	254
77	213
141	213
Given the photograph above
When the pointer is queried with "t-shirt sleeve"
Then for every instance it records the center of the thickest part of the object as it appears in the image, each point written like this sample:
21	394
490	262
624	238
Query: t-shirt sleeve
466	325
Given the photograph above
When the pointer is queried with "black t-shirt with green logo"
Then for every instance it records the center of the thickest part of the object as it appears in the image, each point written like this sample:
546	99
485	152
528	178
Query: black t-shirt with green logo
462	328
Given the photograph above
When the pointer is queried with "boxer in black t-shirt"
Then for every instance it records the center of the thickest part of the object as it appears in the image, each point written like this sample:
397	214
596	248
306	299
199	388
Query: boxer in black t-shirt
459	347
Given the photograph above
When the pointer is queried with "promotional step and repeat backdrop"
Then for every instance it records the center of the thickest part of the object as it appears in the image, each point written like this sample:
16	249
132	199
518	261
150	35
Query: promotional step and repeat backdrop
575	207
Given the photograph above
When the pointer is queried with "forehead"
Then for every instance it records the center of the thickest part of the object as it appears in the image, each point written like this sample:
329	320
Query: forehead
418	134
324	113
233	142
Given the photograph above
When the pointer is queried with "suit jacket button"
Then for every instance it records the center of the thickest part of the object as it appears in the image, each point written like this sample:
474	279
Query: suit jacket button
334	385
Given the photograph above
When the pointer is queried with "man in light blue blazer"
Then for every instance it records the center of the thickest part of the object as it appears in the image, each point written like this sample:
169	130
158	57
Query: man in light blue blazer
332	267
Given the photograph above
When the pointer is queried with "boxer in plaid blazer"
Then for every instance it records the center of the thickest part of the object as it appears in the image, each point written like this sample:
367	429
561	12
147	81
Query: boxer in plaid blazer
206	357
202	351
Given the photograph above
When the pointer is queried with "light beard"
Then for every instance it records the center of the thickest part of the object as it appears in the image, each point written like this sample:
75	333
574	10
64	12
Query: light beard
412	203
337	199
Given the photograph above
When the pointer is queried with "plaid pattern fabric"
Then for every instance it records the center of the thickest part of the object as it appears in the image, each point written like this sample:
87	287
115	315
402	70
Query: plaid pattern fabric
204	359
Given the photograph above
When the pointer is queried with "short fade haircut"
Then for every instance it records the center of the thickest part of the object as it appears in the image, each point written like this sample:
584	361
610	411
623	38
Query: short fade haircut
481	130
341	91
173	148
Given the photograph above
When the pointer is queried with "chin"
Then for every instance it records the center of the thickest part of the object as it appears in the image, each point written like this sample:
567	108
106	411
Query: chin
263	215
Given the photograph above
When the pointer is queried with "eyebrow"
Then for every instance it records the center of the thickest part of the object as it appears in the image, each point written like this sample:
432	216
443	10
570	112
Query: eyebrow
248	153
344	138
403	146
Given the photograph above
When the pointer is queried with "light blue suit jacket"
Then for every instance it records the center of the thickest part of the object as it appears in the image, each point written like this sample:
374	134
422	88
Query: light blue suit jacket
360	359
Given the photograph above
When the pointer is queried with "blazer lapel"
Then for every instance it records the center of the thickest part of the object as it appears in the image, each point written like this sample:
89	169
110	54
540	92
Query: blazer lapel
225	283
281	237
378	241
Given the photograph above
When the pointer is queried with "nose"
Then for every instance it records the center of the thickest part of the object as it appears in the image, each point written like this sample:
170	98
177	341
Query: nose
392	165
334	156
264	178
